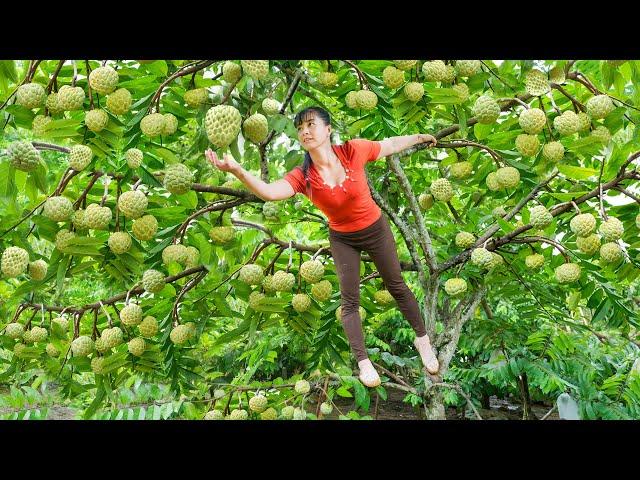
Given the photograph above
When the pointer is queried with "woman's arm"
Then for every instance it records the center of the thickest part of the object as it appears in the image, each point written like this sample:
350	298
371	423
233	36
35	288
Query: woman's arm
278	190
392	145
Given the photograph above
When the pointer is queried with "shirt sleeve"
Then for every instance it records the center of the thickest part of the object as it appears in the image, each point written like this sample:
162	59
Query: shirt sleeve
296	180
366	150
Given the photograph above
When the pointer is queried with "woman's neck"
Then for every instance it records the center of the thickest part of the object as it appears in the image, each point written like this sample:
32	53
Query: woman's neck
323	157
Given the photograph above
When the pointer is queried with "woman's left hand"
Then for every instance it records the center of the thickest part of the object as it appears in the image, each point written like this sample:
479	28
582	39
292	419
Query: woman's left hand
426	138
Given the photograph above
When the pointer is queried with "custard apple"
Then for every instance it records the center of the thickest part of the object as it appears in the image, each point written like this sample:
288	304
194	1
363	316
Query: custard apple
540	217
258	403
361	311
222	235
270	106
79	157
366	99
14	330
462	91
15	261
152	125
96	120
351	99
414	91
153	280
269	414
82	346
465	239
58	209
599	106
174	253
178	178
251	274
322	290
589	244
434	71
231	72
312	271
392	77
468	68
148	327
611	230
222	124
136	346
39	125
442	190
23	156
553	151
38	269
132	203
287	412
425	200
584	121
611	253
383	297
119	102
405	64
63	239
601	133
527	145
536	83
131	315
301	302
583	224
455	286
70	98
302	387
460	170
170	124
31	95
326	408
257	69
53	105
486	109
256	128
508	177
198	96
134	157
51	350
567	123
327	79
103	80
97	217
283	281
532	120
255	299
97	365
567	273
238	414
534	261
481	257
214	415
180	334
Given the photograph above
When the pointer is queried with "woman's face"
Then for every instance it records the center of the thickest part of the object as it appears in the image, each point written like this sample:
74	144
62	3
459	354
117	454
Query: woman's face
312	132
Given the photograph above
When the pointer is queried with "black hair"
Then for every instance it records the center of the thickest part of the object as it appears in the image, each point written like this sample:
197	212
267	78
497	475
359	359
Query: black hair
303	116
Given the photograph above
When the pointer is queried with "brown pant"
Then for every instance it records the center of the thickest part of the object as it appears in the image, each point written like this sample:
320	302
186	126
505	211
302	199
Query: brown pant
376	240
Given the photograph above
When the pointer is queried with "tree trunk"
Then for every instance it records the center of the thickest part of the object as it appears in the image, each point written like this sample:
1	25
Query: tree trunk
523	384
434	406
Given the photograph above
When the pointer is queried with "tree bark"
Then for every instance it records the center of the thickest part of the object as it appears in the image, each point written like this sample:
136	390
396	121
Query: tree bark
523	384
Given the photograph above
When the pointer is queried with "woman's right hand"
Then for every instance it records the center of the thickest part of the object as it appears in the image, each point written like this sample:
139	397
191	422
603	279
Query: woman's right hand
227	164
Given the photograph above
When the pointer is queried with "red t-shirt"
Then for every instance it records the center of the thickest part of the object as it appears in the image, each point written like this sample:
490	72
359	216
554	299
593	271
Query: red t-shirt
348	206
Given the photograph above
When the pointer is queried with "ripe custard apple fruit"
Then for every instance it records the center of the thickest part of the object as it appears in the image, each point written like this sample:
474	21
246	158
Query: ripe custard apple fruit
567	123
170	124
392	77
283	281
231	72
465	239
556	75
180	334
97	217
134	157
612	229
540	217
567	273
63	239
302	387
15	261
14	330
256	128
132	203
527	145
23	156
270	106
39	334
70	98
214	415
255	299
137	346
462	90
31	95
119	102
481	257
322	290
38	269
299	414
152	125
312	271
267	284
611	252
131	315
351	99
468	68
145	227
441	189
328	79
326	408
508	177
405	64
301	302
584	121
534	261
178	178
589	244
197	96
599	106
222	235
461	170
222	124
414	91
532	120
455	286
361	311
270	210
51	350
80	157
39	125
258	403
366	99
434	71
450	74
553	151
82	346
536	83
192	257
425	200
103	80
383	297
100	346
486	109
174	253
269	414
496	261
238	414
148	327
119	242
251	274
287	412
96	120
58	209
602	134
112	337
78	220
18	349
61	323
257	69
583	224
53	105
97	365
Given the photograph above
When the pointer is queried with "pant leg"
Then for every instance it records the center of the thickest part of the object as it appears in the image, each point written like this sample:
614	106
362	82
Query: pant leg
382	250
347	262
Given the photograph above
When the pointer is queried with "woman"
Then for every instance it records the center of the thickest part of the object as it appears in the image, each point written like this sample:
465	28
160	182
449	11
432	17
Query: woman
333	178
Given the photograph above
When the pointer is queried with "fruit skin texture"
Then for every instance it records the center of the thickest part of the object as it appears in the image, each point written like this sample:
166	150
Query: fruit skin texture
136	346
567	123
145	227
540	216
131	315
462	90
327	79
312	271
583	224
283	281
152	125
611	252
532	120
468	68
134	157
534	261
584	121
508	177
287	412
214	415
322	290
481	257
405	64
170	124
251	274
82	346
38	269
222	124
553	151
460	170
455	286
63	237
612	229
178	178
269	414
486	109
14	330
197	96
599	106
257	69
301	302
492	182
180	334
174	253
31	95
527	145
23	156
96	120
302	387
414	91
58	208
258	403
103	80
425	200
442	190
567	273
256	128
148	327
79	157
601	133
392	77
536	83
70	98
222	235
97	217
366	99
270	106
119	102
383	297
119	242
326	408
434	71
238	414
231	72
132	203
465	239
589	244
39	124
153	280
15	261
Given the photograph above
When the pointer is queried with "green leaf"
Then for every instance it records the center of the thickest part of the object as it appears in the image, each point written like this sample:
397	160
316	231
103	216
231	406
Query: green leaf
577	173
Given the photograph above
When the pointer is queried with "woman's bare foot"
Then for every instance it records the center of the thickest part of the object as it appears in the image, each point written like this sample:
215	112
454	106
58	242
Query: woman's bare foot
368	375
429	359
